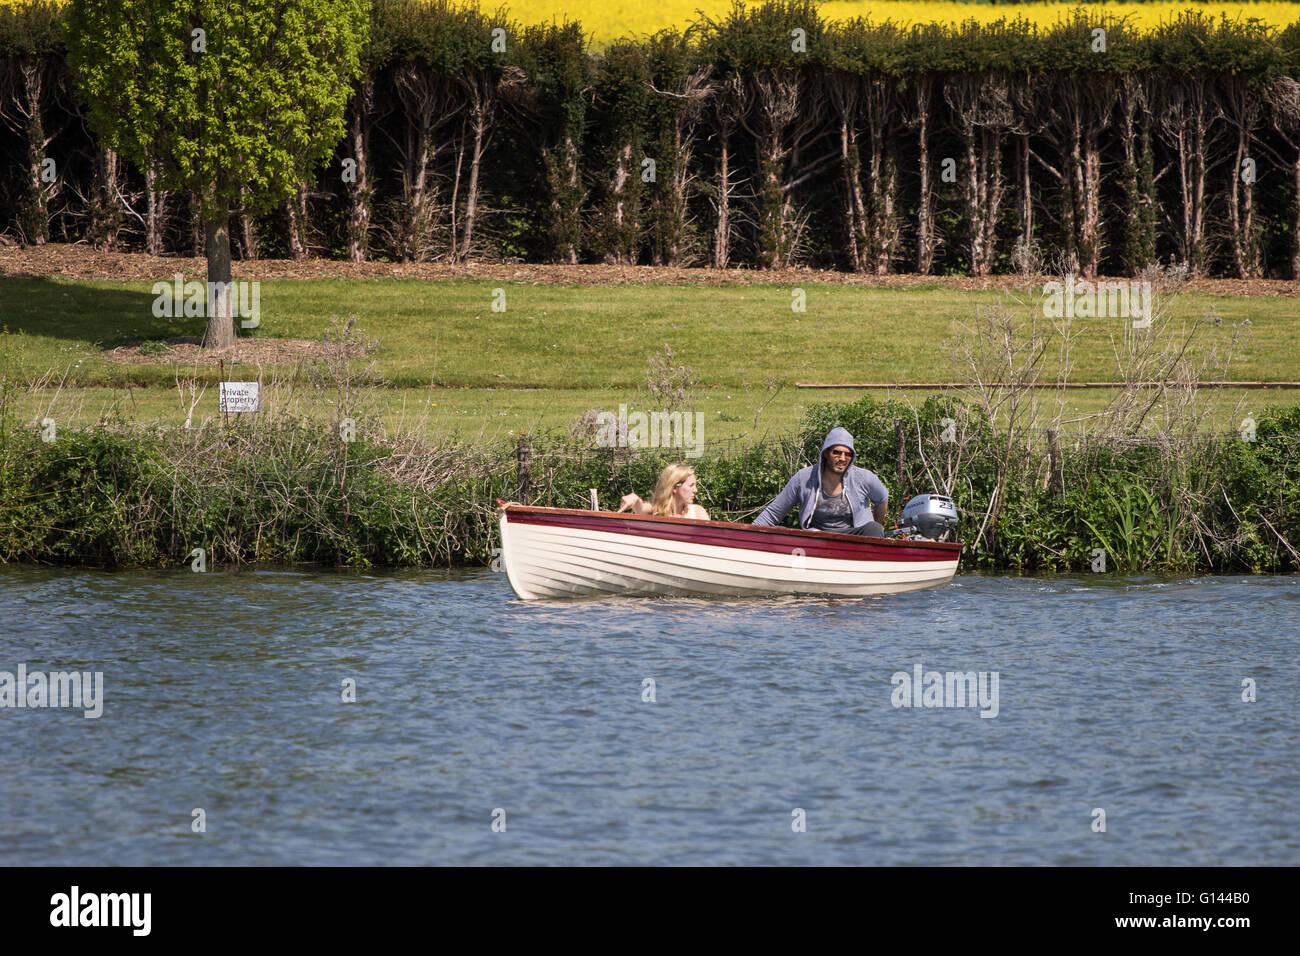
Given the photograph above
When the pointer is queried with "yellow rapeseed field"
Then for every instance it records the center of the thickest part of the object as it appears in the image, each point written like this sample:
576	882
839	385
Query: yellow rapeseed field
606	20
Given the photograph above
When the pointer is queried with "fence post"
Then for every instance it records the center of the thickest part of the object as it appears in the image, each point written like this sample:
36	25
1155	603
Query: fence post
1053	464
900	452
523	455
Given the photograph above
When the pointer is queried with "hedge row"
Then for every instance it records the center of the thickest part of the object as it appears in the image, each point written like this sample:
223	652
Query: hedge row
765	138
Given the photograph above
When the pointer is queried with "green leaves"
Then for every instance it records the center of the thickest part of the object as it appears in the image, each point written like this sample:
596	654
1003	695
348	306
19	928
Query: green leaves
34	29
217	97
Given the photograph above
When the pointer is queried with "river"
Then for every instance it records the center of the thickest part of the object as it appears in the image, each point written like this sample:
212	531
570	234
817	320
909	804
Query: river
486	730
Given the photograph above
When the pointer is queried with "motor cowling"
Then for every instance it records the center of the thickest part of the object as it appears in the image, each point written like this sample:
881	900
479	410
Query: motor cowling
930	516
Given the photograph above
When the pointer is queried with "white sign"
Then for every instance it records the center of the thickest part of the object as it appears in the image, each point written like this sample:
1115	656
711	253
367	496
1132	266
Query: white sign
238	397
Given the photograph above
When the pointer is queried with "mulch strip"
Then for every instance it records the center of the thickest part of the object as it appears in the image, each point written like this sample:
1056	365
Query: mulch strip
84	262
186	350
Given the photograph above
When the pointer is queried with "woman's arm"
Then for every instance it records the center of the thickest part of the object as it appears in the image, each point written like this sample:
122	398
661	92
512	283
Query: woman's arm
634	503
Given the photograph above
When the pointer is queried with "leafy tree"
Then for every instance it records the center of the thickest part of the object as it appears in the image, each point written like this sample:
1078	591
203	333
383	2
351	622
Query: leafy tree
219	98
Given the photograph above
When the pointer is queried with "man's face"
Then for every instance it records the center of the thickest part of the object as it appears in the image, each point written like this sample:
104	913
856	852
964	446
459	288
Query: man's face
838	458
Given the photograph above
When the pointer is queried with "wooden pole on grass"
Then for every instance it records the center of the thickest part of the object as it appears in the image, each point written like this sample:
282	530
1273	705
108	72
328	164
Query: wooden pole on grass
900	450
523	457
1053	464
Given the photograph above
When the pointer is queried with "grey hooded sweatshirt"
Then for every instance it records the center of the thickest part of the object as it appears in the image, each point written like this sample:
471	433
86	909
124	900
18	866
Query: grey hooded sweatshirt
862	488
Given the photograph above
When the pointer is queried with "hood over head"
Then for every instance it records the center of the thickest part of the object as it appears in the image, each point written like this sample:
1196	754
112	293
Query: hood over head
837	436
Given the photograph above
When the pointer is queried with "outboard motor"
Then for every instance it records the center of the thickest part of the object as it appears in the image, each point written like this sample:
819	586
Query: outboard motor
927	516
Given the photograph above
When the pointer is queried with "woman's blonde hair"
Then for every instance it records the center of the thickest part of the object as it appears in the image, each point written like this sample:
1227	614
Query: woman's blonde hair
671	477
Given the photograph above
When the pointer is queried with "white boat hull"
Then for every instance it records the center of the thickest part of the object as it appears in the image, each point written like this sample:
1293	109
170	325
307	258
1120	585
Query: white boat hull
544	560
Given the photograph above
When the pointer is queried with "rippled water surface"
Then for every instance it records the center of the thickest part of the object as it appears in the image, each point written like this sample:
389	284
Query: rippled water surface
223	692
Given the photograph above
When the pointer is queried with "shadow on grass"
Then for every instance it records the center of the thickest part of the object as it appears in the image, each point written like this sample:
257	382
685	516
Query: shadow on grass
98	318
101	318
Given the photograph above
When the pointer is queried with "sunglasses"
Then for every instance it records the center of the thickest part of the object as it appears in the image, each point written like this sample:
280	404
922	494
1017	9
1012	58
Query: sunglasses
840	454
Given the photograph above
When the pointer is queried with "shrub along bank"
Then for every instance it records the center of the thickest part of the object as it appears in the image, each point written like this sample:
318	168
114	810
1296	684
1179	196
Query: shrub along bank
294	492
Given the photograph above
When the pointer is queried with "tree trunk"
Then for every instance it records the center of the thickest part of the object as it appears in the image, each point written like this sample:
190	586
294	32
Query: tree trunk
1243	108
220	333
722	233
671	212
884	188
774	104
1026	197
880	112
1089	183
155	212
1200	169
359	195
677	201
620	250
566	199
416	188
453	207
479	121
105	213
771	227
855	206
1235	223
925	238
572	205
247	228
296	206
197	227
35	212
1189	128
1139	241
984	188
982	115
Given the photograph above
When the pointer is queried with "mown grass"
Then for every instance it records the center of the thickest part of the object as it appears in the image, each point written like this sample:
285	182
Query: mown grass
445	333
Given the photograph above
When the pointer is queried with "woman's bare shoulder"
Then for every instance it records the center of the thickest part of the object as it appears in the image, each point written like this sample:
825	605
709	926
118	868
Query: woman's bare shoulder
697	512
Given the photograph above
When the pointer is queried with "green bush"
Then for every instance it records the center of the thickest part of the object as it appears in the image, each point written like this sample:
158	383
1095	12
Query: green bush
292	492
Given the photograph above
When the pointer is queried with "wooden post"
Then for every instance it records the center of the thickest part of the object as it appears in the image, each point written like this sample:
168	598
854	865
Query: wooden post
900	450
1053	463
523	455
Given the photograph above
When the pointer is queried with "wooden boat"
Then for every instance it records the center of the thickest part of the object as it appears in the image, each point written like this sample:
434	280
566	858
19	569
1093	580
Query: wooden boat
562	552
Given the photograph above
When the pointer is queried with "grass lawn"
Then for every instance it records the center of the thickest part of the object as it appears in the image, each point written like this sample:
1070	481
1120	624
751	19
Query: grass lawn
559	350
486	415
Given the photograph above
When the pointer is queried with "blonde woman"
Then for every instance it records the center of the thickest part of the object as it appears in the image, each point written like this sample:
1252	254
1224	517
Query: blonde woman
674	495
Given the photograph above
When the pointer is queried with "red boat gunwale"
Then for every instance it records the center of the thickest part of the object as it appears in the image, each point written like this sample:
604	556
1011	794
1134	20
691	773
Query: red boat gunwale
733	534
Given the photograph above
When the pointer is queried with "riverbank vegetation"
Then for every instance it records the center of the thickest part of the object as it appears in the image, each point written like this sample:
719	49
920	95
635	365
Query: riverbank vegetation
293	491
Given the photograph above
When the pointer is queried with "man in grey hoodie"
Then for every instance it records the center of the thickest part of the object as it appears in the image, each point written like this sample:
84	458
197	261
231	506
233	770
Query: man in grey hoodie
834	494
